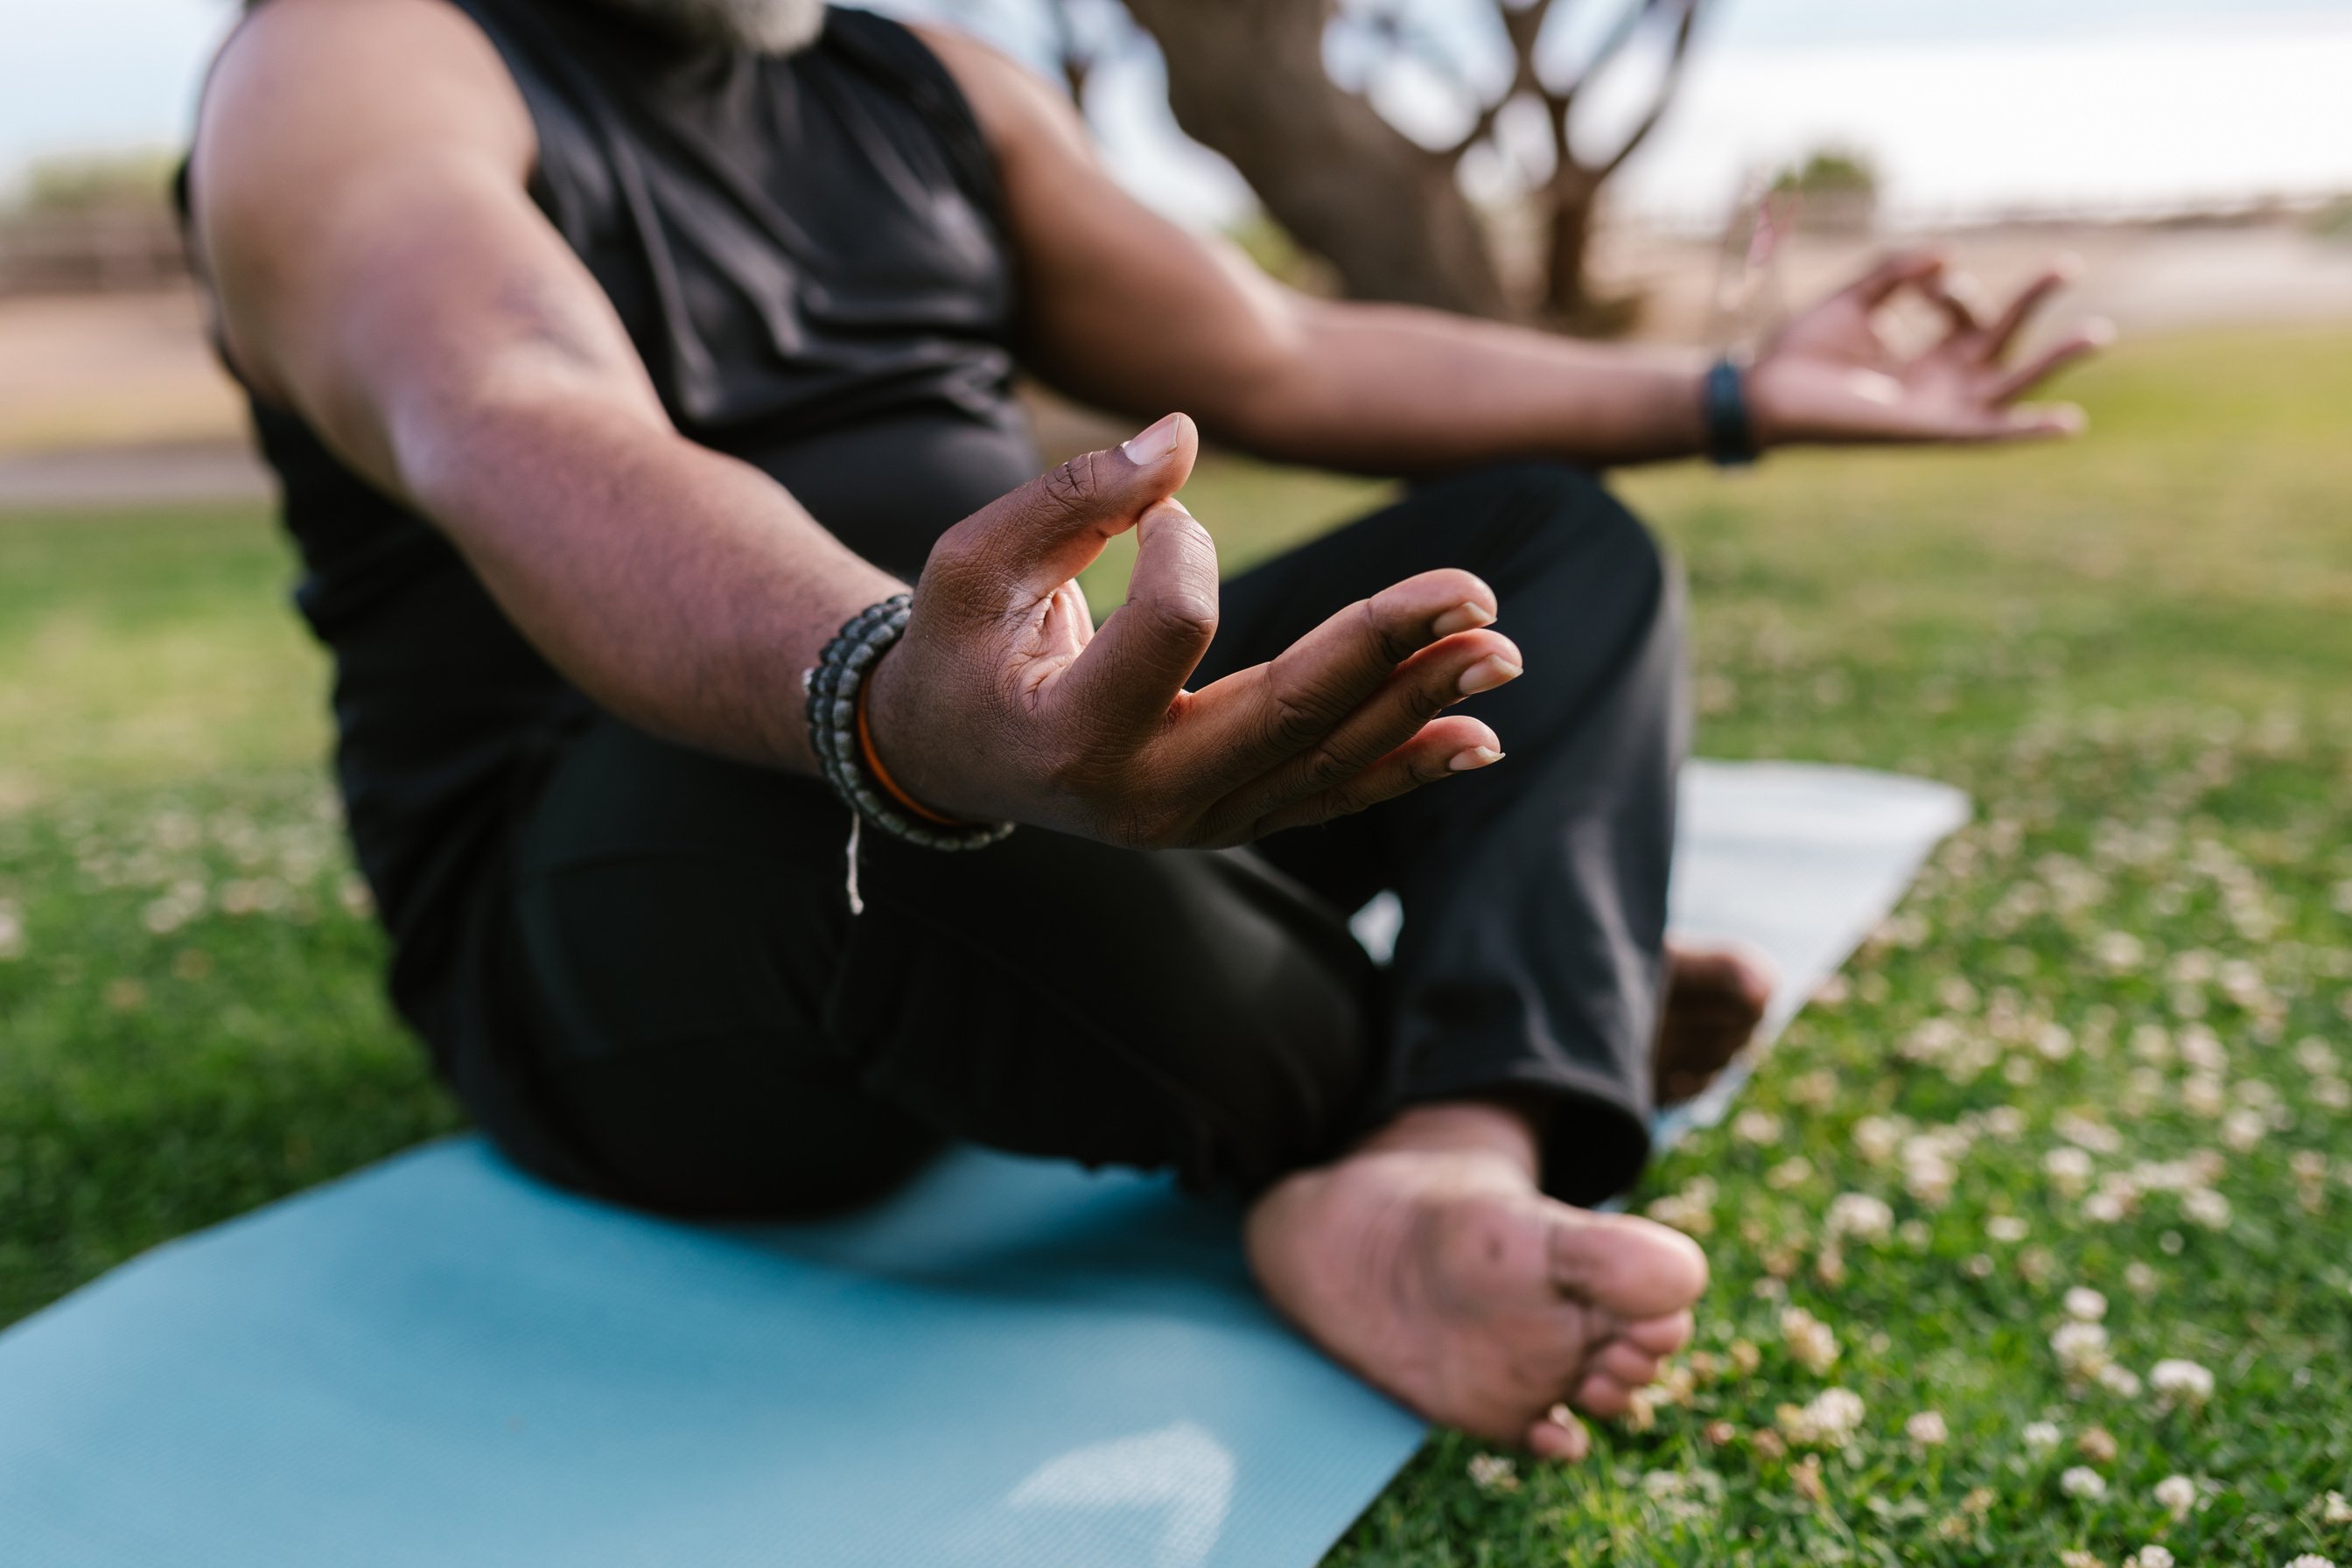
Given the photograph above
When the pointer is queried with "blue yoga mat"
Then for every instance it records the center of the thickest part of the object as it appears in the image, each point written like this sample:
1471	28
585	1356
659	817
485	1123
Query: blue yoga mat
439	1364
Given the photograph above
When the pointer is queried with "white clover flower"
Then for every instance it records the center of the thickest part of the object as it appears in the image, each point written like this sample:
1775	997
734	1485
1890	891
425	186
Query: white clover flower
2177	1494
1860	1215
2106	1207
1690	1211
2085	1305
2081	1481
1811	1345
1756	1127
1825	1421
1930	1181
2178	1382
2007	1227
2120	950
2336	1508
2041	1437
2119	1380
2068	1168
1816	1090
2333	1093
2206	1208
1494	1473
1875	1138
2150	1557
2200	1047
2081	1349
2088	1133
1792	1172
2004	1122
2201	1094
1927	1428
2140	1279
2313	1055
1932	1041
2310	1559
2243	1128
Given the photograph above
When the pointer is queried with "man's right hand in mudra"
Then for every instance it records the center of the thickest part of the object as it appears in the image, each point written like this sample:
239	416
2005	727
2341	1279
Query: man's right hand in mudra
1427	1258
1004	700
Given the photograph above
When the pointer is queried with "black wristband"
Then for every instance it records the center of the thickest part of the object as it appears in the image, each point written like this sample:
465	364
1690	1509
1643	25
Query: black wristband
1730	431
832	684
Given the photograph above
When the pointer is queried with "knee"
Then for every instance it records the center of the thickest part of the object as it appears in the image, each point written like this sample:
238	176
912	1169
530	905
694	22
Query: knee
1537	519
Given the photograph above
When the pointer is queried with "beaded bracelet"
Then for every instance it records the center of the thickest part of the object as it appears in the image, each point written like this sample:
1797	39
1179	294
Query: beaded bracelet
837	733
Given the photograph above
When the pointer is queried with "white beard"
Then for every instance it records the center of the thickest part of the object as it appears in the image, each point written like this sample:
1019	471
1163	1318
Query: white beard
763	26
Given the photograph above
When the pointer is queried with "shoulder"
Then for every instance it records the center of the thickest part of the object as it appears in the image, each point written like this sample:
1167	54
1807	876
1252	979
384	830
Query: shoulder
302	83
1022	114
321	119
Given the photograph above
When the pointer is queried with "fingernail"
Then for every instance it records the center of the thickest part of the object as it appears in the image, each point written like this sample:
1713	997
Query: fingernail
1488	674
1462	617
1149	445
1471	757
1560	1416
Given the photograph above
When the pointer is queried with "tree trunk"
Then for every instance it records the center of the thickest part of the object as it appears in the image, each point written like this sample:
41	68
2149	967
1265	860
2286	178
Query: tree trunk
1569	301
1247	78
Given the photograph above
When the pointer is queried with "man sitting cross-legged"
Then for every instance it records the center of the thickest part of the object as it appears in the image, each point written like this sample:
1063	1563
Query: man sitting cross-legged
616	354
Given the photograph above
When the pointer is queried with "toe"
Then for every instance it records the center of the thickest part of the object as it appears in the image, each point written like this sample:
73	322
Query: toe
1559	1435
1677	1085
1659	1336
1734	973
1628	1363
1602	1394
1628	1267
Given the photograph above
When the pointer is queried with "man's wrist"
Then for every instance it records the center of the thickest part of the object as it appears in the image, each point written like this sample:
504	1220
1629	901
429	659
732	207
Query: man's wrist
841	734
1730	429
871	755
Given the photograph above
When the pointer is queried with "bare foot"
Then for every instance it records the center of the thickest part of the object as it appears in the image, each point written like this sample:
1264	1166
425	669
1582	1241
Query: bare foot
1428	1262
1715	998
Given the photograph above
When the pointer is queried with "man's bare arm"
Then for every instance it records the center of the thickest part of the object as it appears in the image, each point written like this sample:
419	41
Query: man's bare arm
359	180
360	187
1128	311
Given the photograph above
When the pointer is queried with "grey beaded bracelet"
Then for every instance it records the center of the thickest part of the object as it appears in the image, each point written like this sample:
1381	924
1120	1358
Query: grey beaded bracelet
832	684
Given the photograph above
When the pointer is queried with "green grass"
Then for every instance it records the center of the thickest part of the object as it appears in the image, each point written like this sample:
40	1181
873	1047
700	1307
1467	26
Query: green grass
2136	651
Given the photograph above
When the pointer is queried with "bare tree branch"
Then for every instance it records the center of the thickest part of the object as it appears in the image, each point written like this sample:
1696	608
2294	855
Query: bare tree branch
1668	82
1247	77
1522	28
1628	25
1077	63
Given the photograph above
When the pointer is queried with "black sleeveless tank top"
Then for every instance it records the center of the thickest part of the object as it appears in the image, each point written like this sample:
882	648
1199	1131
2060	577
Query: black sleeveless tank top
809	256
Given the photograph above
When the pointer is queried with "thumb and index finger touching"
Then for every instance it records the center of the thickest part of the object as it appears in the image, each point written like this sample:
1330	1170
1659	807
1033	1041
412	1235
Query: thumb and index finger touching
1035	538
1056	526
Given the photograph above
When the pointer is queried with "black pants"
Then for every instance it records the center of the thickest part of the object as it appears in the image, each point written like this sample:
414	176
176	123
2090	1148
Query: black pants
691	1019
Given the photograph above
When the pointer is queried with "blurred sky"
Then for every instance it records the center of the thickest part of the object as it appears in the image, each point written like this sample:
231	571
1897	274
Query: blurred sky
1967	105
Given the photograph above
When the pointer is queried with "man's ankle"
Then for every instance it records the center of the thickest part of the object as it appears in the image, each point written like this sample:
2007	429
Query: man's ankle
1506	1126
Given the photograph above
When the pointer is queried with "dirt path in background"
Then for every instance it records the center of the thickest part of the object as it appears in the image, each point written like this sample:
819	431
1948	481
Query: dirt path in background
115	400
110	369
